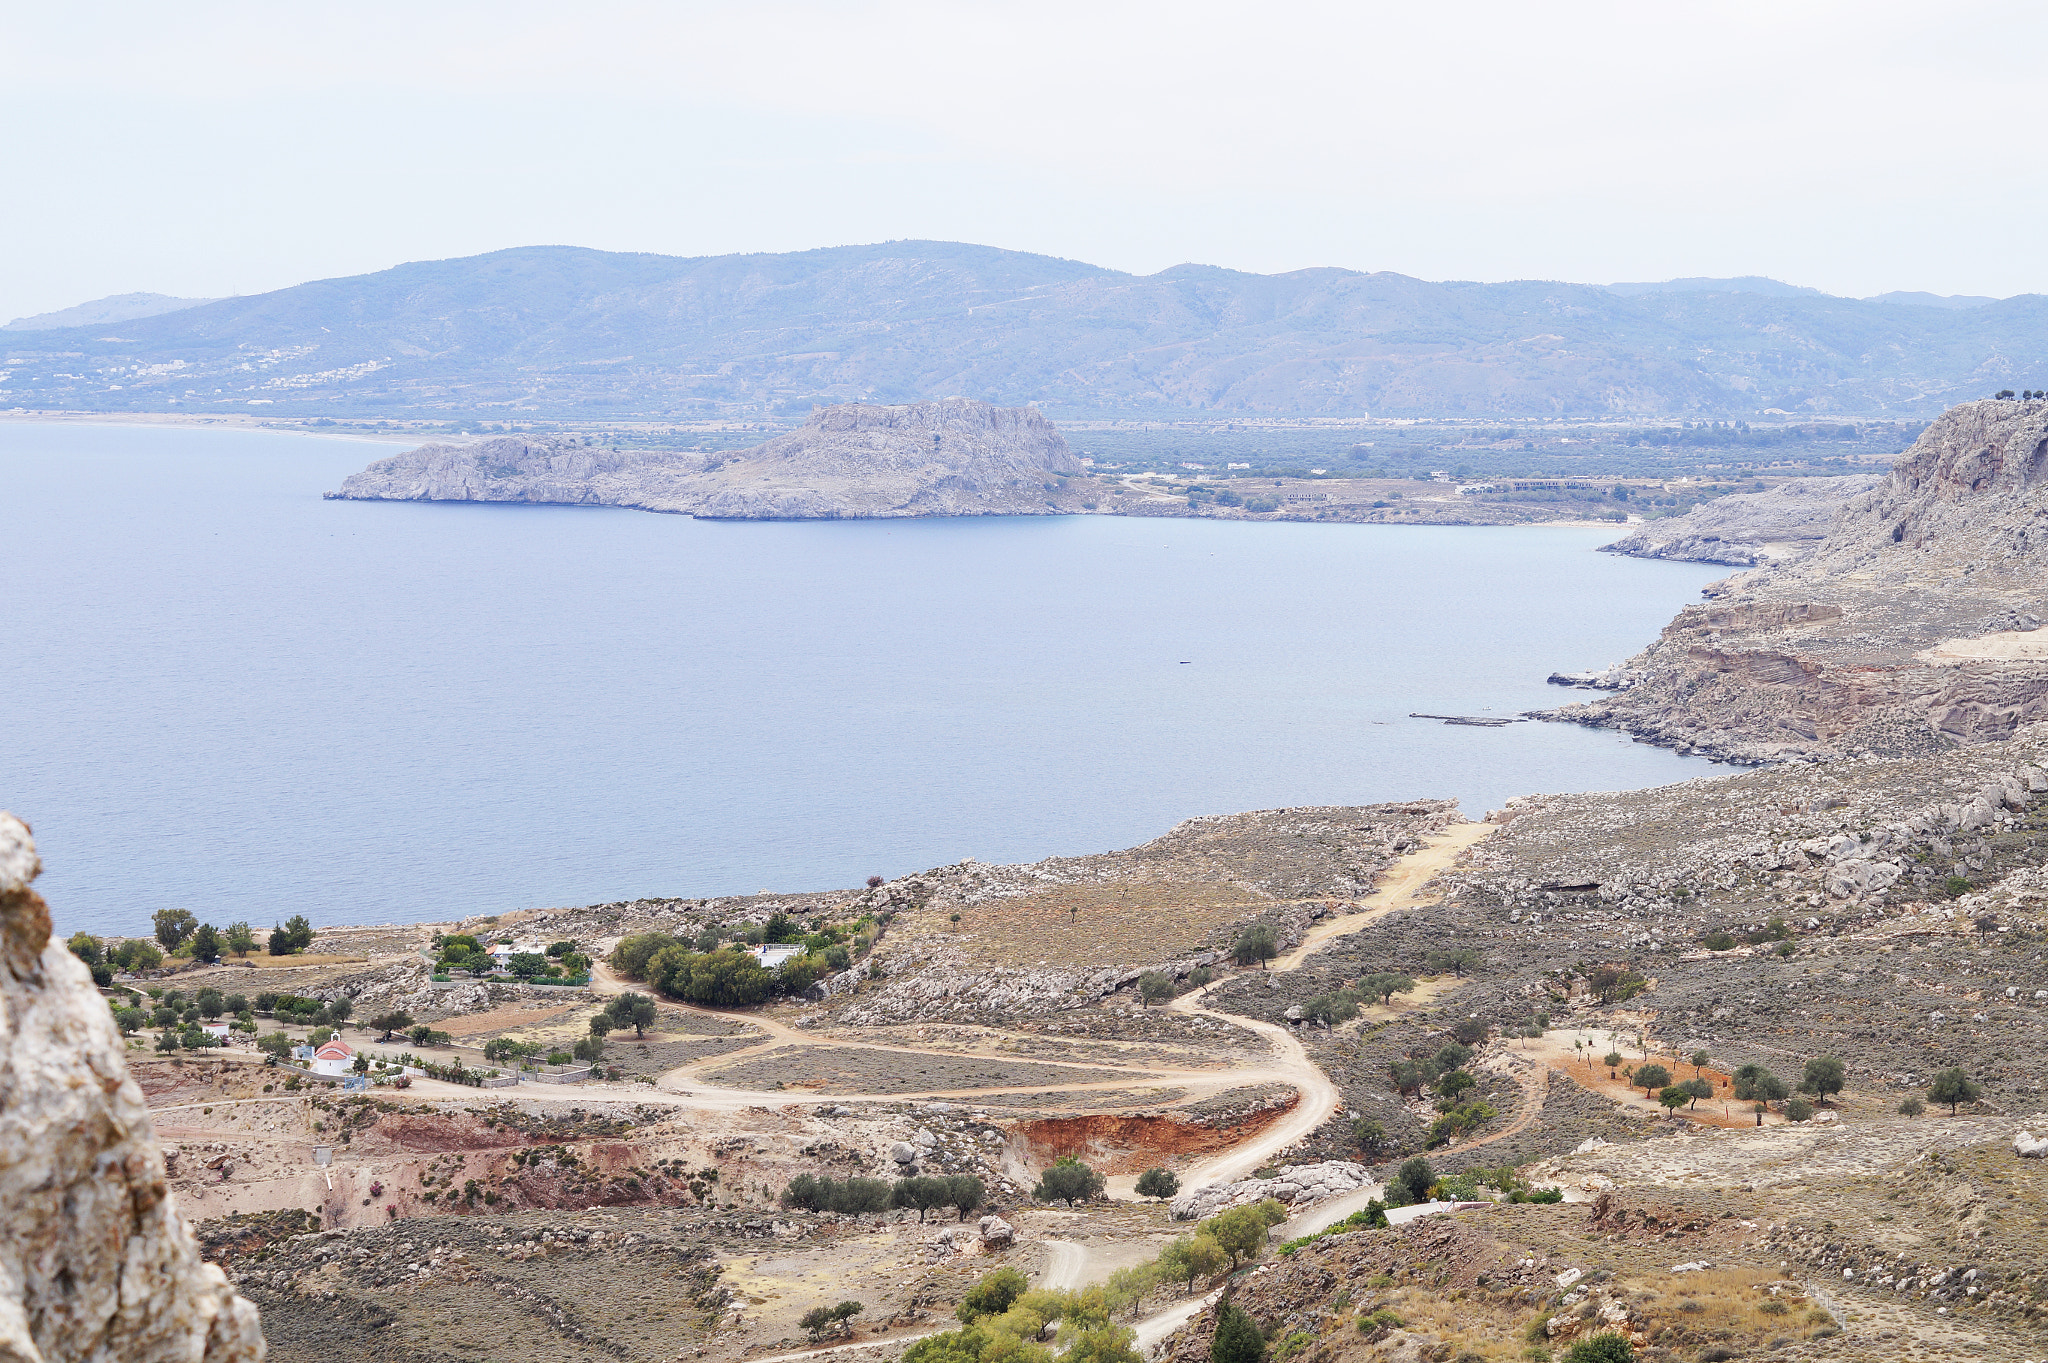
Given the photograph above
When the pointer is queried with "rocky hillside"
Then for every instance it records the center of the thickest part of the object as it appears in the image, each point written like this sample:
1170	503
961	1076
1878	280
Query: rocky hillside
956	457
95	1261
1910	628
1749	529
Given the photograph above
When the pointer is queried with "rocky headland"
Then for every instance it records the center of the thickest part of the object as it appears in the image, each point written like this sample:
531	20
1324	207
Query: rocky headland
954	457
1749	529
1908	629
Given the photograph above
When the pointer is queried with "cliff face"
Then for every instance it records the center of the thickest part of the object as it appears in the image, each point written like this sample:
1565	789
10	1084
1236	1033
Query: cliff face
94	1260
1749	529
1911	627
956	457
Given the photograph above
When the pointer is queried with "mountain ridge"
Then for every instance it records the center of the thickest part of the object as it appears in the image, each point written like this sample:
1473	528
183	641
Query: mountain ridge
573	333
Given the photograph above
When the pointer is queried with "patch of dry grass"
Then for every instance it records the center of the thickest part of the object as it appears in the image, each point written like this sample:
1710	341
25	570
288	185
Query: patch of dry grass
1093	925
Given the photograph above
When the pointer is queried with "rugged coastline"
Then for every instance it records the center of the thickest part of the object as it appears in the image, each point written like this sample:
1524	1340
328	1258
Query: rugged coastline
1908	629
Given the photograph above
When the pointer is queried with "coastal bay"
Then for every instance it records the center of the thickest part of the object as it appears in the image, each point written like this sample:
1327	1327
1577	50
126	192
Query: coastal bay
236	697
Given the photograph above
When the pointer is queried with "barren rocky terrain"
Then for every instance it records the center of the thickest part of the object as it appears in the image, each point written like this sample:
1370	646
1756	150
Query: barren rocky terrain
1748	529
1909	629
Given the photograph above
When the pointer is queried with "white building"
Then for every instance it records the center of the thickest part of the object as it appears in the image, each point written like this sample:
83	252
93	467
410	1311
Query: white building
334	1058
773	954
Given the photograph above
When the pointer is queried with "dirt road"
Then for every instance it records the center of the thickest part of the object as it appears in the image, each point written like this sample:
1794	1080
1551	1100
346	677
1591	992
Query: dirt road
1404	887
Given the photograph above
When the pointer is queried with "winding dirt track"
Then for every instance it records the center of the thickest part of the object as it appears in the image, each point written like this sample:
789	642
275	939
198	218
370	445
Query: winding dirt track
1404	886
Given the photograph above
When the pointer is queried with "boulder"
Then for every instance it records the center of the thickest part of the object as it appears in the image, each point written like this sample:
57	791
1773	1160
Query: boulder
903	1152
1297	1185
95	1263
997	1233
2029	1146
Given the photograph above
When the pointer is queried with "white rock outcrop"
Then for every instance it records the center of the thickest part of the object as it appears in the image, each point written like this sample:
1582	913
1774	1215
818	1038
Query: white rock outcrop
1297	1185
95	1263
2029	1146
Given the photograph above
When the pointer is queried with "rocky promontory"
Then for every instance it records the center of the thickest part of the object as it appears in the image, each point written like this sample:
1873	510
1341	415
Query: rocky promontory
1749	529
1910	628
954	457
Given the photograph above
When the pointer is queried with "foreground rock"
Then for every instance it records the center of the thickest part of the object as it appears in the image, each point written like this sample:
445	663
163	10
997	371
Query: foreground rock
1909	629
95	1262
1749	529
956	457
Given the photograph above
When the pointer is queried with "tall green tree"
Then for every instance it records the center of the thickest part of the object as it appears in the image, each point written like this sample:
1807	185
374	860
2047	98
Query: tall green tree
1953	1087
1384	984
1416	1178
1458	960
1068	1180
1241	1232
172	926
1158	1183
1237	1338
1255	944
1823	1076
632	1010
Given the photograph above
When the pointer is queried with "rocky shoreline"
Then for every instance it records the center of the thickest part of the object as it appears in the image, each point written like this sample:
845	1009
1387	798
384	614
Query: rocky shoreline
1908	629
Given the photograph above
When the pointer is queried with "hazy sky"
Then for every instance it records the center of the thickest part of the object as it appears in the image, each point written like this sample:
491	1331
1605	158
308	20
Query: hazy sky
205	148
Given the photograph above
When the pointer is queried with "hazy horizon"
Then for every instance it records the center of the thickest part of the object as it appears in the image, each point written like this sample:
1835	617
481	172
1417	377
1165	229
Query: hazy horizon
224	148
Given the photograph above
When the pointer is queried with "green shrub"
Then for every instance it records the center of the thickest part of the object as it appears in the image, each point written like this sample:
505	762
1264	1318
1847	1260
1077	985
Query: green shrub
993	1295
1068	1180
1158	1183
1605	1347
1237	1338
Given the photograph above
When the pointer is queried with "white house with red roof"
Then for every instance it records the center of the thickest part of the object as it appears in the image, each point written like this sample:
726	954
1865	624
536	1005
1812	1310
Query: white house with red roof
334	1057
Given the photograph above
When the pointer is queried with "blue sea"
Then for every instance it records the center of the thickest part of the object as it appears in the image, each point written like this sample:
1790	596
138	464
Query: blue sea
225	694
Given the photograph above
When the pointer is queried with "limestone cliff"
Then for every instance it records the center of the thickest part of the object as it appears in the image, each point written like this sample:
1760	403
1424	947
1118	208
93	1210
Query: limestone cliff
1748	529
956	457
1909	628
94	1260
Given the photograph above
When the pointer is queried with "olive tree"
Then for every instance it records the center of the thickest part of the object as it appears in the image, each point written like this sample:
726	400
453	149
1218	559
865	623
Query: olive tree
1256	944
1158	1183
1823	1077
1155	986
1953	1087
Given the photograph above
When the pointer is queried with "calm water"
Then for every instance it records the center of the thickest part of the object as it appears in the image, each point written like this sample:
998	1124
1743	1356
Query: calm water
225	694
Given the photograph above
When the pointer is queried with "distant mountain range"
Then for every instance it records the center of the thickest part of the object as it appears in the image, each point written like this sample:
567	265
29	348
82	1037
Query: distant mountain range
119	307
567	334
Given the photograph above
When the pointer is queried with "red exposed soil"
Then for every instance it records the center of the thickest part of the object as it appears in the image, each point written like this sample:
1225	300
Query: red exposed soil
434	1134
1129	1145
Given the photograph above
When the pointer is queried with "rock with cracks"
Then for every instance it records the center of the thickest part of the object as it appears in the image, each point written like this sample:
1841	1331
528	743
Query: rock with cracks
1297	1185
95	1262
